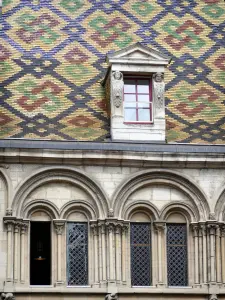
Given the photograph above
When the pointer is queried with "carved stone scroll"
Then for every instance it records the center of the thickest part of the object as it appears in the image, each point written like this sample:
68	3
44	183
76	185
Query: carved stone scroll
159	88
117	88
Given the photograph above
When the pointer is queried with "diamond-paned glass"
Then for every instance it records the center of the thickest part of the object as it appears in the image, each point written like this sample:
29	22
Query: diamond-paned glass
77	253
140	242
177	263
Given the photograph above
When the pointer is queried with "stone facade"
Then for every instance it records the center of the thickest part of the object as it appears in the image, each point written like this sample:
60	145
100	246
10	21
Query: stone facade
111	195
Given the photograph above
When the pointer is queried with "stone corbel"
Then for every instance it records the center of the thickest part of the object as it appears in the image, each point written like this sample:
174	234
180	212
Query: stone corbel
213	297
158	90
7	296
112	296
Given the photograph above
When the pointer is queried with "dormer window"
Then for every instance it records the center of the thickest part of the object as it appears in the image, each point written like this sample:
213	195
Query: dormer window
135	93
137	100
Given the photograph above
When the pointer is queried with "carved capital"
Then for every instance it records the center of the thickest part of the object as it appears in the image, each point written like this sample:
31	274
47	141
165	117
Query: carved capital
211	228
223	231
9	222
110	226
101	227
195	228
7	296
24	225
94	228
59	226
125	228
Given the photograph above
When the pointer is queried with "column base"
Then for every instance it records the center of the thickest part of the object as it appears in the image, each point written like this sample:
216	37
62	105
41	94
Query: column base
59	283
160	285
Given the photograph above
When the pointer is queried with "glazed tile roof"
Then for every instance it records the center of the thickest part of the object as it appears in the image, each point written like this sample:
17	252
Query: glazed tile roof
53	60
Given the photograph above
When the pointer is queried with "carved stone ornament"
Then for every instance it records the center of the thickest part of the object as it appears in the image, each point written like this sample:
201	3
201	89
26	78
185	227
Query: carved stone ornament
8	296
159	89
213	297
212	216
110	213
112	296
117	88
9	212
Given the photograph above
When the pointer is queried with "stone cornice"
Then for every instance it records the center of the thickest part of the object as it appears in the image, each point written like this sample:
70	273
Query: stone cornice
114	154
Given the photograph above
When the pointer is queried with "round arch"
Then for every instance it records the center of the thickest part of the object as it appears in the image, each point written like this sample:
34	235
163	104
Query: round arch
145	206
177	207
219	201
61	174
42	205
8	187
162	177
82	206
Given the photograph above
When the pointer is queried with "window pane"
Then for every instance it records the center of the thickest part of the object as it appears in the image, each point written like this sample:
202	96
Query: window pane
143	86
77	253
129	97
129	86
144	104
144	115
130	115
130	104
143	98
177	254
140	237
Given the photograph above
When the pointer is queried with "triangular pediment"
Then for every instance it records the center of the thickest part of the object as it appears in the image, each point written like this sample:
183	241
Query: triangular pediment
138	53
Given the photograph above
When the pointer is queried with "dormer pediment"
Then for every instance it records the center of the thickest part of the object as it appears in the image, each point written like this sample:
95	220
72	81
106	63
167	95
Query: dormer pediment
138	54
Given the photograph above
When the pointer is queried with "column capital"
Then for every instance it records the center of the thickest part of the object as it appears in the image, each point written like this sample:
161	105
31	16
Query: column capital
9	221
212	227
195	228
59	225
24	225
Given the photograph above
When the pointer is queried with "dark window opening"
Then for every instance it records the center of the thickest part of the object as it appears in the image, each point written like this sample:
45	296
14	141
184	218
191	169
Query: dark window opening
40	253
177	263
140	239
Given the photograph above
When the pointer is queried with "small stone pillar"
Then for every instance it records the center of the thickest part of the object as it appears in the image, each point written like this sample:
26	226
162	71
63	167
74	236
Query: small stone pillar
59	227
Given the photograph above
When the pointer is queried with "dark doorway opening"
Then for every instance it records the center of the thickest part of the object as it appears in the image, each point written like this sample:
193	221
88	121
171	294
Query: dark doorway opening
40	253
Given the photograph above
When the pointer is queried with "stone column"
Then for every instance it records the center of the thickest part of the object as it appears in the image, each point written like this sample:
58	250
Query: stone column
124	253
103	256
95	250
200	248
160	229
23	230
9	222
16	250
211	234
111	251
59	227
218	255
204	254
195	228
223	253
118	253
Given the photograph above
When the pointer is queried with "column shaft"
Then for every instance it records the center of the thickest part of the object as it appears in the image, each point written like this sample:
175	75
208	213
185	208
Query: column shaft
118	253
16	251
218	255
59	227
196	256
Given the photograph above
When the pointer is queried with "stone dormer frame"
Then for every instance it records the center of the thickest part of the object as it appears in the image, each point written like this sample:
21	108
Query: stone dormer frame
135	61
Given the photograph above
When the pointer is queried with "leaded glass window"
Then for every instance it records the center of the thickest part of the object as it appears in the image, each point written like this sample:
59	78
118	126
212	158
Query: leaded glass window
140	239
177	265
77	253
